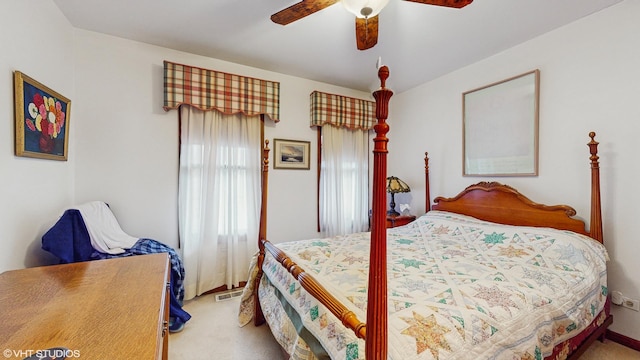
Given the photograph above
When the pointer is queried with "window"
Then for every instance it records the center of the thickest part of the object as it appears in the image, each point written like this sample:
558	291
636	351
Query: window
219	197
344	180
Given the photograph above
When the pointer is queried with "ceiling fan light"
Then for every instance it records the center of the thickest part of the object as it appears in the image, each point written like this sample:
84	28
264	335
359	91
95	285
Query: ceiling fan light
364	8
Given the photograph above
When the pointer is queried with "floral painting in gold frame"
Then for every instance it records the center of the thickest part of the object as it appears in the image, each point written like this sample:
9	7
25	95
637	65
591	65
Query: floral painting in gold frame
42	120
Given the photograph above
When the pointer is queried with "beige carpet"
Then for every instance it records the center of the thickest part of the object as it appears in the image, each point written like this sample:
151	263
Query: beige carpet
213	333
609	350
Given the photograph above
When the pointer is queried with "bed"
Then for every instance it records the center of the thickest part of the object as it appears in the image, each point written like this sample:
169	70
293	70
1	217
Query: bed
485	274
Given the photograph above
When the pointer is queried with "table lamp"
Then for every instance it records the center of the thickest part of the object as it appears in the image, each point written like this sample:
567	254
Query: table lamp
395	185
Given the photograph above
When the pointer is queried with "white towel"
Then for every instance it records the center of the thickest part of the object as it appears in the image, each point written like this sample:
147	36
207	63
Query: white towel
104	231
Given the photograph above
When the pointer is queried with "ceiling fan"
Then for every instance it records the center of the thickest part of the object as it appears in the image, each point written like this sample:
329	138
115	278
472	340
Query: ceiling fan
366	12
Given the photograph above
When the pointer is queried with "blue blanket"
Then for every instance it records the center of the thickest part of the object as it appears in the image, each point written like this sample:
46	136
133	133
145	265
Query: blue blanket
149	246
69	240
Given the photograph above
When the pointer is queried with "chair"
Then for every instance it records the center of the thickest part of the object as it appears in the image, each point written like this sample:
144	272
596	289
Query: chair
90	231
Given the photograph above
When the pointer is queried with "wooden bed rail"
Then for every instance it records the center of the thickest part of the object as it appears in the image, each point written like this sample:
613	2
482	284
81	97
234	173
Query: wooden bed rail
346	316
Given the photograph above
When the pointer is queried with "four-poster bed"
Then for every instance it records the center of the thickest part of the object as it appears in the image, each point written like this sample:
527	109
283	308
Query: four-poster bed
476	288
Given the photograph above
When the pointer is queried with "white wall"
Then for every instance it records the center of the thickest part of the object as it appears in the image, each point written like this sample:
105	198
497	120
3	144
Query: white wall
36	39
127	146
590	81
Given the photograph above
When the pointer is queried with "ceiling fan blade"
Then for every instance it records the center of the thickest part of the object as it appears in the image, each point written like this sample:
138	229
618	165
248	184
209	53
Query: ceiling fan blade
367	32
299	10
447	3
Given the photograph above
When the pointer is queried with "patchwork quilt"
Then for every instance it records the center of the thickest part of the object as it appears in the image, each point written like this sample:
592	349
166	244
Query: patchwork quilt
458	288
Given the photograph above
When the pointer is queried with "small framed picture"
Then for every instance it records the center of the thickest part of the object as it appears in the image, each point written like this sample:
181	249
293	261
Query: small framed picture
42	120
291	154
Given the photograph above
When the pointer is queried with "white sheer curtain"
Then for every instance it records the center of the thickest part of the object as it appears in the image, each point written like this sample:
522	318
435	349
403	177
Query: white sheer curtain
344	181
219	197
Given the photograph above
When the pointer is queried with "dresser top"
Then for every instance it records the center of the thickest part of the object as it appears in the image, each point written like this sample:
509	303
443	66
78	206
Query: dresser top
107	309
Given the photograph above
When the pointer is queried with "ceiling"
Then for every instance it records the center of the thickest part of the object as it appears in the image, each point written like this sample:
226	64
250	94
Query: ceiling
418	42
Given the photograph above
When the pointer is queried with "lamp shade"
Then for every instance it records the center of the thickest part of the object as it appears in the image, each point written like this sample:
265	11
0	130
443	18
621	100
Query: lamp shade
395	185
364	8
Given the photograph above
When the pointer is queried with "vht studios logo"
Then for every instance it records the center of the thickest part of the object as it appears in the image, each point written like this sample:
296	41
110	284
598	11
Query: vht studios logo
45	354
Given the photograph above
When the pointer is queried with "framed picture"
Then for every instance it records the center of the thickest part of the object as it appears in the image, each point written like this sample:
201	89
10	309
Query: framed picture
291	154
500	127
42	120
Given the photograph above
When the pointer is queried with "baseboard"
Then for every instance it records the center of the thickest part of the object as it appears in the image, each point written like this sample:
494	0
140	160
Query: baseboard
225	288
623	340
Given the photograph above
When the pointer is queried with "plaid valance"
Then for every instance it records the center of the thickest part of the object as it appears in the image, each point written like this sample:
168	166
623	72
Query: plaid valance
342	111
227	93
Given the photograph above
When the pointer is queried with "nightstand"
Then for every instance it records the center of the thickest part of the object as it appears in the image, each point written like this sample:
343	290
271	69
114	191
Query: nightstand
393	221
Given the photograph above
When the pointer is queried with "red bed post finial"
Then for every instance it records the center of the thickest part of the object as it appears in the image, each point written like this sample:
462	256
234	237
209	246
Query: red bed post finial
383	75
595	225
376	330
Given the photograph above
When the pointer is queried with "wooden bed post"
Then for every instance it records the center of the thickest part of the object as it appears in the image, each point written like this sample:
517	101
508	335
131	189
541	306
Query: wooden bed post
427	195
595	225
262	232
376	334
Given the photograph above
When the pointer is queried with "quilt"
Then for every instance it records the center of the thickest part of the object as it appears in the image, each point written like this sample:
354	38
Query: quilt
458	288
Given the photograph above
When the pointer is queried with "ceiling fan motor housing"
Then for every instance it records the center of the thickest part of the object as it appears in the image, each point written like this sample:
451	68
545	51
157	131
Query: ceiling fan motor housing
364	8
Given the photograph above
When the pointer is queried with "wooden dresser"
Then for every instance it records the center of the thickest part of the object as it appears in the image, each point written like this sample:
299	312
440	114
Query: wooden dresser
103	309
